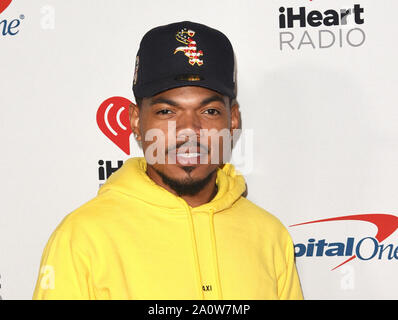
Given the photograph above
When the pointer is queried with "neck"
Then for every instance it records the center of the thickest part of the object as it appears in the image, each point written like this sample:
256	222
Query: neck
204	195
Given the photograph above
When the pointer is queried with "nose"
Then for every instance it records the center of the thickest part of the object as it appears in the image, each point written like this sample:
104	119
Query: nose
188	124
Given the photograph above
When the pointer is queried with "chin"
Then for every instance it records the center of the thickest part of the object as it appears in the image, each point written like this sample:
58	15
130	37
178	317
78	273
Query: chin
186	172
186	180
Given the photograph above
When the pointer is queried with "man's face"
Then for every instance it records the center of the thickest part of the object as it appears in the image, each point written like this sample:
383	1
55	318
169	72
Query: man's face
182	130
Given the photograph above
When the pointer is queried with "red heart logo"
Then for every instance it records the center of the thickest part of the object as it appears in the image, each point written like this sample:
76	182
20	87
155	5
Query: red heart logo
113	120
4	4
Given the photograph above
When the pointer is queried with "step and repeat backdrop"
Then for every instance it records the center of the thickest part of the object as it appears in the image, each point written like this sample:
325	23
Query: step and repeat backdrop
318	91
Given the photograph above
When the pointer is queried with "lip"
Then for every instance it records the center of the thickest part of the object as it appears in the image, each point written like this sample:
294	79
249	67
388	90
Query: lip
191	149
191	158
189	154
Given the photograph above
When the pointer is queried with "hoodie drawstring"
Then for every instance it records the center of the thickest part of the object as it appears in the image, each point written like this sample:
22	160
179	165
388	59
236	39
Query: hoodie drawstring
195	251
214	253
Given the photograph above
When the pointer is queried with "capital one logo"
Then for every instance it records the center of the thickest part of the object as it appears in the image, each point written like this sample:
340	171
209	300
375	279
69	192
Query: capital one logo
367	248
4	5
9	27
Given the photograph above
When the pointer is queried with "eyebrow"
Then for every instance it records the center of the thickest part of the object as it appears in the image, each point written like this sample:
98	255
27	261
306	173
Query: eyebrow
211	99
163	100
175	104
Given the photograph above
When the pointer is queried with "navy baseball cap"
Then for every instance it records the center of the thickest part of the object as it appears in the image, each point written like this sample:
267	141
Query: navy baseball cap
184	54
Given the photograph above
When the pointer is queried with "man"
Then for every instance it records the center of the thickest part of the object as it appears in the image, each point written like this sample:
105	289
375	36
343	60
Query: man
175	224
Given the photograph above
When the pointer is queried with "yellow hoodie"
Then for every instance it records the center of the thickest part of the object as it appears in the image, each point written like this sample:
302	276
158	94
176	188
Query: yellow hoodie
136	240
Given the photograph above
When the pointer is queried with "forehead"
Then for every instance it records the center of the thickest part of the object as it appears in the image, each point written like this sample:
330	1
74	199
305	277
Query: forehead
188	95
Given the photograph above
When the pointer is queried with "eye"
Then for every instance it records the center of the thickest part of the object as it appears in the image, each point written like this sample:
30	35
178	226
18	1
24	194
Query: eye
212	112
164	112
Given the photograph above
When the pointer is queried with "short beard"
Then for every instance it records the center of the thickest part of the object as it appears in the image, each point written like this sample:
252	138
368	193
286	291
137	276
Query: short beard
187	186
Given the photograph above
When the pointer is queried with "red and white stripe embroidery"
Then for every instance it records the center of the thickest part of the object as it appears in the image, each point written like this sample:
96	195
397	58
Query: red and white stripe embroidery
190	50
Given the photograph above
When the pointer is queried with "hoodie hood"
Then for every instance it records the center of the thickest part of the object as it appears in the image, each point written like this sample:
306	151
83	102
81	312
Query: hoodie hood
132	180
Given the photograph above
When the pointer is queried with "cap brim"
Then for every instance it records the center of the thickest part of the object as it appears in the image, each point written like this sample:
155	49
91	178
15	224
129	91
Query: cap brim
153	88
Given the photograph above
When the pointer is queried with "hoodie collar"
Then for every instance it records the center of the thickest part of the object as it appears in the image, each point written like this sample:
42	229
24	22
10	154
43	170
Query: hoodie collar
132	180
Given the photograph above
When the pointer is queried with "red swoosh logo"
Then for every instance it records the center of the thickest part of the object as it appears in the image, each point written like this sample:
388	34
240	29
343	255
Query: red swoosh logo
386	225
4	4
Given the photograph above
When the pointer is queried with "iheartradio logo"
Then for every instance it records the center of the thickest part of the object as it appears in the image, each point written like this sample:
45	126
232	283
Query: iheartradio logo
113	121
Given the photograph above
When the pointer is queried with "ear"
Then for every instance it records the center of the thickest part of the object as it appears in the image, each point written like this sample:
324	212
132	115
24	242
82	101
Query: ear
134	117
236	123
235	116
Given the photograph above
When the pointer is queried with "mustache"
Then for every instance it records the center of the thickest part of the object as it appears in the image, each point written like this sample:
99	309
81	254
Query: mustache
188	145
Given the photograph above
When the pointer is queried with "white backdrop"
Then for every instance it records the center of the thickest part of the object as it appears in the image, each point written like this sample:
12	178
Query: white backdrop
323	115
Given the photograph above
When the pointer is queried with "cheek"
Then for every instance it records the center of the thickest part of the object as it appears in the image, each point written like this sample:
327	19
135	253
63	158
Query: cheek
154	143
219	142
152	131
157	140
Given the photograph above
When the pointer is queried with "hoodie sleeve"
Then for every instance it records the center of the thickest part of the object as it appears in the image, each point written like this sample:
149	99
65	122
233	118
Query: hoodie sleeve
64	270
289	287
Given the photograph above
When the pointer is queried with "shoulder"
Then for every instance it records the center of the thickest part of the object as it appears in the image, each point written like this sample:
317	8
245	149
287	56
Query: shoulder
95	211
262	220
86	221
259	214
